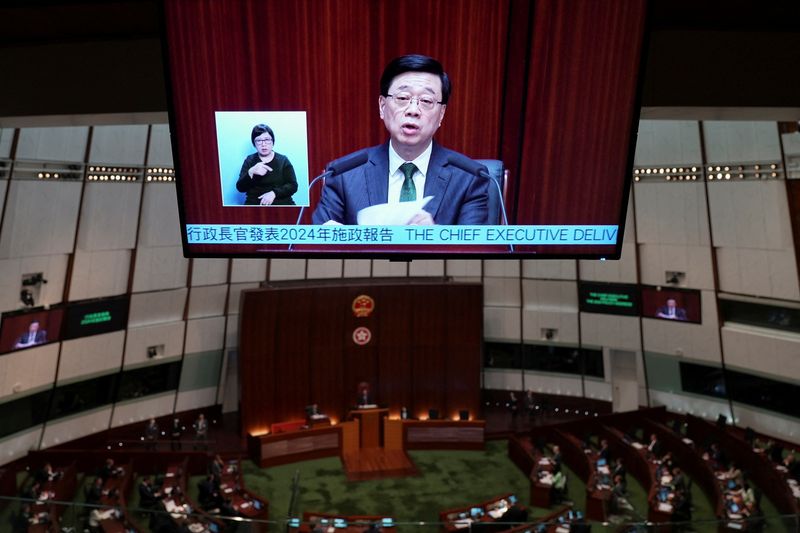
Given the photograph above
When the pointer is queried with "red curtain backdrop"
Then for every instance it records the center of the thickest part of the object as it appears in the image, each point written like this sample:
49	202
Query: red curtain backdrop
547	85
296	348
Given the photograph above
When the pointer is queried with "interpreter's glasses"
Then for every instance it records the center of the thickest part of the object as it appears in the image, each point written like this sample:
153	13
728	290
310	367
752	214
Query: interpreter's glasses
263	141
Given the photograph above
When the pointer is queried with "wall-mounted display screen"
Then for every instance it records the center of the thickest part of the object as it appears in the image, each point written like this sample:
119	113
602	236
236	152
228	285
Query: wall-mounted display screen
353	127
667	303
94	317
29	328
609	298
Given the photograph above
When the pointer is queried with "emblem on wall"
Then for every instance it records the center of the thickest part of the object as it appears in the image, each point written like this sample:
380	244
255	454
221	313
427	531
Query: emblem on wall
363	306
362	335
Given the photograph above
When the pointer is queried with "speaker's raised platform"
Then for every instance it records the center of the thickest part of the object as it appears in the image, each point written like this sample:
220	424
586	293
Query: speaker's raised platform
377	463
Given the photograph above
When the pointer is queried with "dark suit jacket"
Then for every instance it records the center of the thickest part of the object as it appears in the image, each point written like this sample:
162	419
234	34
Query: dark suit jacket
459	197
38	338
680	313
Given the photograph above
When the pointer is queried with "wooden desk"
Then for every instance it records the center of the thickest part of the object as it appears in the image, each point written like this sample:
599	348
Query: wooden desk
444	434
371	426
354	523
283	448
463	518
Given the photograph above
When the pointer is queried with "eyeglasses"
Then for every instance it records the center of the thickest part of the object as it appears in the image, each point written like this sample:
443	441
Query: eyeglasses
263	141
403	100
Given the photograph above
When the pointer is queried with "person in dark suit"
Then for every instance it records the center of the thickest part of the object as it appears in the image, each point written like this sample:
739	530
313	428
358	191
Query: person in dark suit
208	493
654	446
678	480
364	397
108	470
515	514
32	492
32	337
95	491
148	496
556	457
151	434
671	311
619	471
604	452
176	430
414	93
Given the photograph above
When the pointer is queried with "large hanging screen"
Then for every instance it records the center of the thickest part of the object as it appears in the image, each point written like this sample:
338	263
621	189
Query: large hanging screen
429	128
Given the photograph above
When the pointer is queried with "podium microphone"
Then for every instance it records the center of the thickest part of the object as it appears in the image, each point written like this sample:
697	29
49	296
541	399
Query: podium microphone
337	166
473	167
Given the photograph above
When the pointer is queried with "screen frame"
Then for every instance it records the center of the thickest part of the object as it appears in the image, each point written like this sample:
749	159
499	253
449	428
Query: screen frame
399	252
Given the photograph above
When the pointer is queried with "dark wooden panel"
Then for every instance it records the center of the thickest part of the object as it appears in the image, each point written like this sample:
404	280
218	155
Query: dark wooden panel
463	365
297	347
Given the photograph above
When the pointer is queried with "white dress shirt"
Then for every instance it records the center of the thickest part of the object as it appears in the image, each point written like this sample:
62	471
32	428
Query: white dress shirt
396	176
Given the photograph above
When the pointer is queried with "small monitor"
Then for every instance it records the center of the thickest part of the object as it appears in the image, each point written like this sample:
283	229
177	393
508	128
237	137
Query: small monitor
512	499
387	522
339	523
476	512
731	484
570	515
602	462
578	515
734	508
257	505
294	522
213	528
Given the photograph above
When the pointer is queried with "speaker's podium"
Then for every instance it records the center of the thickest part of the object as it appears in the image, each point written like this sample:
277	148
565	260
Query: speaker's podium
370	422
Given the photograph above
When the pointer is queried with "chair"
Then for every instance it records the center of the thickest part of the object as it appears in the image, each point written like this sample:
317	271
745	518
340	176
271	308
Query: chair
500	176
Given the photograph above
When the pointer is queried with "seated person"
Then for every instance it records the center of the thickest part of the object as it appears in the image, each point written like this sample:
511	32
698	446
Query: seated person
208	495
148	495
654	447
678	480
95	491
217	467
733	473
604	452
46	473
33	492
559	489
556	457
108	470
619	499
619	470
717	457
514	515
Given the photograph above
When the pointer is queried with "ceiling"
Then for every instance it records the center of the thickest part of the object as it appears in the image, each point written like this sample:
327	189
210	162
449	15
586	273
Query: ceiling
94	57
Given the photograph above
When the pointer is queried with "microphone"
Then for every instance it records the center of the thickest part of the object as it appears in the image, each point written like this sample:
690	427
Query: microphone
348	162
473	167
337	166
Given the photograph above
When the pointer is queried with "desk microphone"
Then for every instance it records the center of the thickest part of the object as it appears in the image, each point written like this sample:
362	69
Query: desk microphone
473	167
337	166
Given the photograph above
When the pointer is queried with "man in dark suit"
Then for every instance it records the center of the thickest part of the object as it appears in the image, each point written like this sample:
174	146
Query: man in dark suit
33	336
654	447
671	311
414	93
148	496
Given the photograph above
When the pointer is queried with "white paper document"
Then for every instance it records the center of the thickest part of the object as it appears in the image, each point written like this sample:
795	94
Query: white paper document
395	214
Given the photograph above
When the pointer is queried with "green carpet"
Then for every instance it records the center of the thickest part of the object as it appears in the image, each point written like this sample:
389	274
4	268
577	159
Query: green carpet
449	479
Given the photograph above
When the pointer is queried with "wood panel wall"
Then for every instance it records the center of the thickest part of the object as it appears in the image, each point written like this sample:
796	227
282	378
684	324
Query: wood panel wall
296	348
